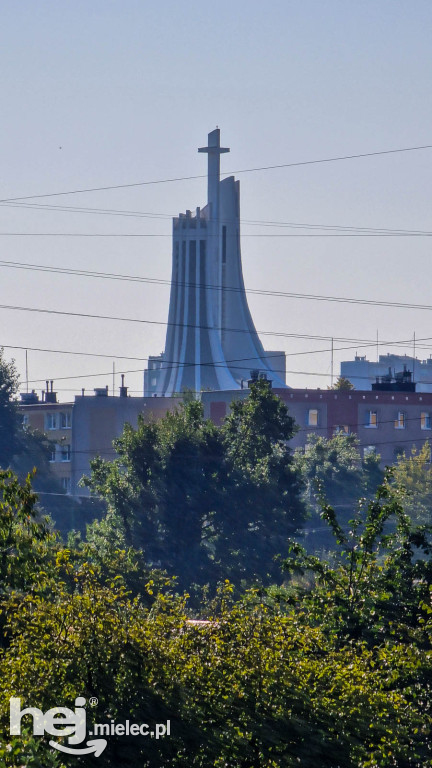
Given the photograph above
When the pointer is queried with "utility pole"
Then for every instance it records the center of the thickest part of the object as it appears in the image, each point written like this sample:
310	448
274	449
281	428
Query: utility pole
414	357
331	365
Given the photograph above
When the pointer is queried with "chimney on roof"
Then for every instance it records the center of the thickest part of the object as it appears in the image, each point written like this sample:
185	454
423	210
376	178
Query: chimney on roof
123	389
50	395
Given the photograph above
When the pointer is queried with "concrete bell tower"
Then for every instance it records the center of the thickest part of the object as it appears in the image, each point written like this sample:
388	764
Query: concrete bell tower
211	341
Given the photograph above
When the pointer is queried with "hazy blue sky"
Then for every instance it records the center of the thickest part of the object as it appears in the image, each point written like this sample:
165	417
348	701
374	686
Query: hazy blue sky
104	93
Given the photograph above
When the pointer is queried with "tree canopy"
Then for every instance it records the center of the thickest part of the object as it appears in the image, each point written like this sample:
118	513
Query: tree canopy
204	501
334	472
334	675
9	418
413	477
342	383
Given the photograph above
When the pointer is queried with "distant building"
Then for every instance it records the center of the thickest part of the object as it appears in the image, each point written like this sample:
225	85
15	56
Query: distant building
100	418
362	373
211	341
80	431
386	422
389	419
55	421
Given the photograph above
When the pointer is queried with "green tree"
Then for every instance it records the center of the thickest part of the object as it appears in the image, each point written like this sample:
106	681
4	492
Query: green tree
259	686
23	449
263	505
412	476
332	469
9	419
203	501
342	383
335	676
34	451
162	491
25	540
381	579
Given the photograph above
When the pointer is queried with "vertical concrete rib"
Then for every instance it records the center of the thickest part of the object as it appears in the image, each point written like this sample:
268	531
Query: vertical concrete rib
198	316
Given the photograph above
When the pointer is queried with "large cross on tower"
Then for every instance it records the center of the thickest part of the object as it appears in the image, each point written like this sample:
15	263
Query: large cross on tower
214	151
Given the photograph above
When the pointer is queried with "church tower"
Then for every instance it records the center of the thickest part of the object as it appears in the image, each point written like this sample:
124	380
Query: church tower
211	341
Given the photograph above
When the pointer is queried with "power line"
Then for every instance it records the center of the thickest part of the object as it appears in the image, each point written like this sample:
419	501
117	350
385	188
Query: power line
109	451
249	222
218	364
371	342
203	176
88	210
170	364
187	325
309	430
256	235
71	352
254	291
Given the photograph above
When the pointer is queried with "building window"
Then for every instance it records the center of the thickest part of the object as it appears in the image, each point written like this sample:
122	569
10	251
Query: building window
400	421
51	421
66	420
26	420
371	421
369	450
341	429
153	381
312	417
66	484
65	453
425	420
398	453
53	453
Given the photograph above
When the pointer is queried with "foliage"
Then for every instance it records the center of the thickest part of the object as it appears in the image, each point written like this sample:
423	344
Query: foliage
412	476
334	472
339	675
162	490
234	689
9	420
342	383
23	537
24	450
331	468
263	504
200	501
379	586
